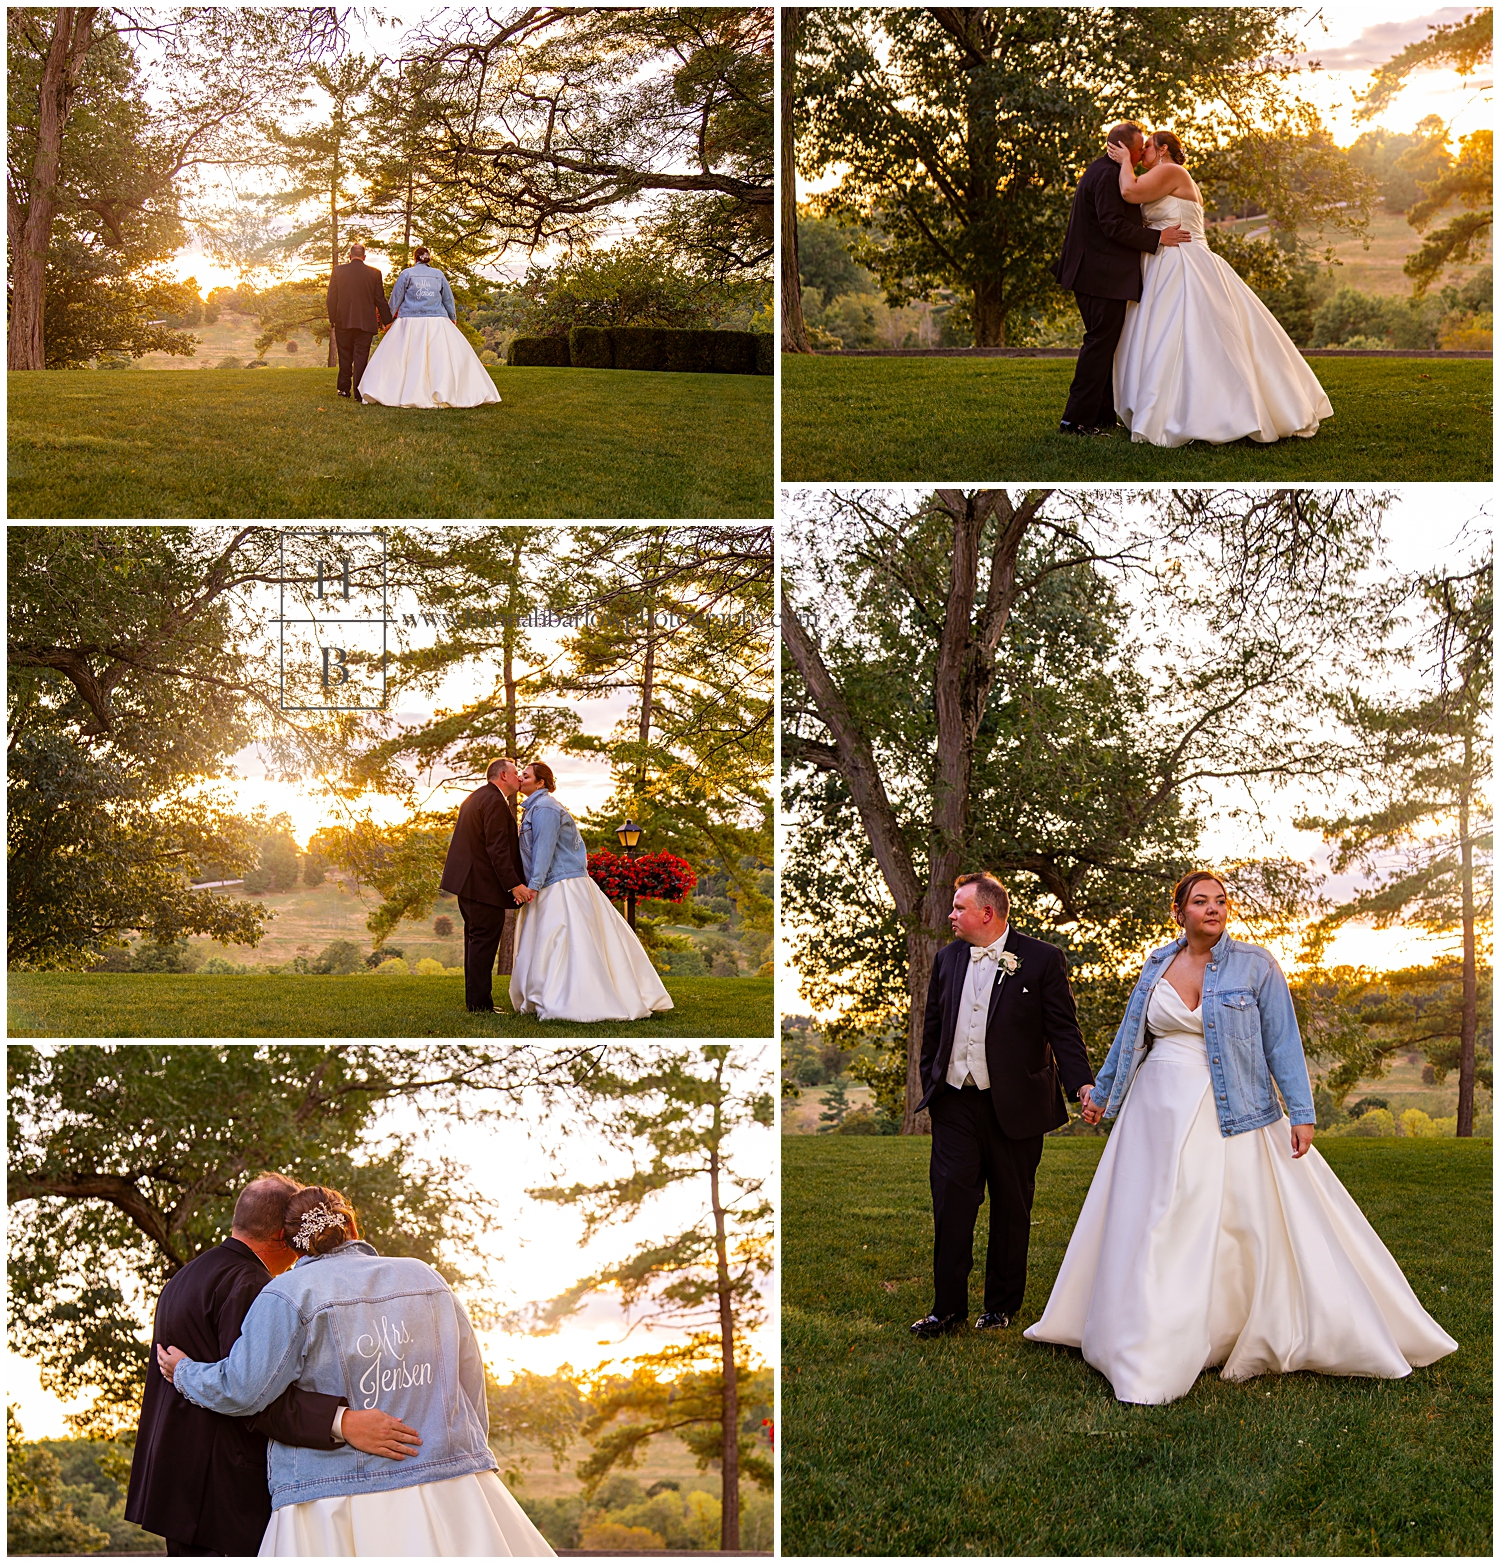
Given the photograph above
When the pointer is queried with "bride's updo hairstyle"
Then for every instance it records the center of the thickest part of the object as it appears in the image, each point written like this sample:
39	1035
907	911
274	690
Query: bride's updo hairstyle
1170	145
1184	889
318	1220
543	773
422	256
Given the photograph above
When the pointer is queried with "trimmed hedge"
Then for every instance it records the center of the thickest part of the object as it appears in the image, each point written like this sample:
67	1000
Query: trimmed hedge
539	352
649	347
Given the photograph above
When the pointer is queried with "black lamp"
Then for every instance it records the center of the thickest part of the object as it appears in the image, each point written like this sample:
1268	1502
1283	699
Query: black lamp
628	835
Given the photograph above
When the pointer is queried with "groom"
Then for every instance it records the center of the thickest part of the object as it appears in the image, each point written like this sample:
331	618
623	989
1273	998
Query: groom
483	870
1000	1030
1101	263
357	309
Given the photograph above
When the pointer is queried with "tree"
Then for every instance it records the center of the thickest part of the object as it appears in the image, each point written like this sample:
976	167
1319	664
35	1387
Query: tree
918	750
36	1519
962	132
676	620
1425	760
216	66
674	1115
560	117
835	1105
322	160
139	665
793	327
125	1163
1463	46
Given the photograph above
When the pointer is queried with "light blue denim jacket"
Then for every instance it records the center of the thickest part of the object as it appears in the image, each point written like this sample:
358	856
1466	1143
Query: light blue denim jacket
551	848
381	1332
423	290
1249	1029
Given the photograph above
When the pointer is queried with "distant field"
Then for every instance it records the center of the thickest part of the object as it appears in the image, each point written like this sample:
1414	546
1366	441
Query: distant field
1378	269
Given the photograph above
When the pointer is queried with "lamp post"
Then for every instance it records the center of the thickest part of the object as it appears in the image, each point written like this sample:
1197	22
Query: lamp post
628	835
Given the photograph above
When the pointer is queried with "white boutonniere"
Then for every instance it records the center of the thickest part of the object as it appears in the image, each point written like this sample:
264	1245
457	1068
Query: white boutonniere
1008	962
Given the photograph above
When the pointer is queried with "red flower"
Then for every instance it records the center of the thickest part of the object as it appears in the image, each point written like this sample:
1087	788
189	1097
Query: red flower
660	876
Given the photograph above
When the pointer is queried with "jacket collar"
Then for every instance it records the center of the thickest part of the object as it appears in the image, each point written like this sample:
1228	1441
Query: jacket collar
348	1248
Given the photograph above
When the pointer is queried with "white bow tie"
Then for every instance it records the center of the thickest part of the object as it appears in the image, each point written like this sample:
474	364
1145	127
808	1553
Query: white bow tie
985	952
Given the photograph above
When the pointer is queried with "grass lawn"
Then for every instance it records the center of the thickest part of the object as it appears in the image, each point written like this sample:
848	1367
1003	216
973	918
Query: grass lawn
279	443
977	1445
994	420
148	1004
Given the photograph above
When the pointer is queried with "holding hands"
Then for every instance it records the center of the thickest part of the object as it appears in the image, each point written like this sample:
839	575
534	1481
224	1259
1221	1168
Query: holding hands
1092	1112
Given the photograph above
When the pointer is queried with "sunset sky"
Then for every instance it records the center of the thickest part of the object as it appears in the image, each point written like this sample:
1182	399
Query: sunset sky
536	1249
1427	525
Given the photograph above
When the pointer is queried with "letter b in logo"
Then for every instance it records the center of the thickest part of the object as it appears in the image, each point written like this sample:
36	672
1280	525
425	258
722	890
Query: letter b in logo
334	658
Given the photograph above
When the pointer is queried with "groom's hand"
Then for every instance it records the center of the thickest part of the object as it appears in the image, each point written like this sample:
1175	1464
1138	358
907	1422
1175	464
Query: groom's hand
523	893
1175	235
378	1433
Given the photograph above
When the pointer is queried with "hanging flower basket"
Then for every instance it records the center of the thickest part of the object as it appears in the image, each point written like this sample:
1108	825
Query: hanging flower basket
658	876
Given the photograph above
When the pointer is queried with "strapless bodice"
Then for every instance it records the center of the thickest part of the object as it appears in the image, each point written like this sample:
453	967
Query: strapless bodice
1174	209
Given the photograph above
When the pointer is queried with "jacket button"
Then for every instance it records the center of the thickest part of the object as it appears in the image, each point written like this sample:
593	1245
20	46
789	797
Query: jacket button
1221	1097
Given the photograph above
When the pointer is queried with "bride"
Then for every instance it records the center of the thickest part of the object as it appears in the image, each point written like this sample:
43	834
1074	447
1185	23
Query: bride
1213	1234
424	360
576	958
1200	357
348	1321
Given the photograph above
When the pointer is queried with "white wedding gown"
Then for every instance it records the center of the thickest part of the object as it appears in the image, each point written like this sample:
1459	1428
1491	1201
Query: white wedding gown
474	1517
1195	1249
1200	357
577	959
426	361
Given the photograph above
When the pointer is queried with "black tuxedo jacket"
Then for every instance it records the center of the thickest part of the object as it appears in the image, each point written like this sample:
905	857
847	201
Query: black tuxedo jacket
1032	1045
199	1477
484	857
1105	238
356	298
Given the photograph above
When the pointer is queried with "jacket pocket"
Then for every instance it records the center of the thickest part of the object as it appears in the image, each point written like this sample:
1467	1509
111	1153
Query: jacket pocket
1241	1015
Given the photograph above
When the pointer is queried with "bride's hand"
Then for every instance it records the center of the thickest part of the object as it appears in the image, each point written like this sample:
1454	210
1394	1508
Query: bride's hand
1302	1139
167	1359
1113	149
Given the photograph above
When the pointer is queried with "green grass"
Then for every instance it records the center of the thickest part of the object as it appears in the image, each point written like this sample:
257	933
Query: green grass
245	443
991	420
994	1445
141	1004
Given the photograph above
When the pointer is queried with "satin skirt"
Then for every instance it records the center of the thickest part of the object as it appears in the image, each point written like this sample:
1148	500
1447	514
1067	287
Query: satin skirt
470	1517
1201	358
577	959
1195	1249
426	361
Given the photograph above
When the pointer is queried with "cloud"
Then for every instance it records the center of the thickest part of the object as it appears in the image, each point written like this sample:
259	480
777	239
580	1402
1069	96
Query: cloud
1381	41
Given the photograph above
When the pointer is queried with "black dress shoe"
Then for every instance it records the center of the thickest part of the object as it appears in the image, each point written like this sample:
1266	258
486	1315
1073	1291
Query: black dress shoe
343	393
931	1325
992	1319
1064	427
482	1010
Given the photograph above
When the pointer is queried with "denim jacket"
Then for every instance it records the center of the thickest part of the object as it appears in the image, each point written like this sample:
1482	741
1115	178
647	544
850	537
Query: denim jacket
551	848
382	1332
423	290
1249	1029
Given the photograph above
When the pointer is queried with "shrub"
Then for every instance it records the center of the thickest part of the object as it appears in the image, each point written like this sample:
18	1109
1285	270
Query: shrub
394	966
1418	1124
230	363
1366	1105
375	957
611	1537
686	963
291	347
217	966
442	926
591	347
338	959
1377	1121
1471	332
765	353
314	869
538	353
179	956
427	967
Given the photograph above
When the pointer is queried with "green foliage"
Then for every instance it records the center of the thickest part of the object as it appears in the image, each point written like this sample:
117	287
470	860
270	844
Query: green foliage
179	956
1398	164
1462	46
125	1163
314	868
835	1106
340	958
1471	182
674	350
824	262
38	1520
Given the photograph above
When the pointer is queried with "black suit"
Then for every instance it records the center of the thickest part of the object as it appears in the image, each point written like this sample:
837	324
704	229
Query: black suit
1033	1049
357	309
199	1478
483	863
1101	263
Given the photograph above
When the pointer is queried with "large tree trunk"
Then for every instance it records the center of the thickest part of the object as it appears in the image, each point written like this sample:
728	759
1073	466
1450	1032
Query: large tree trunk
793	327
729	1522
31	223
989	312
1470	1023
922	946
